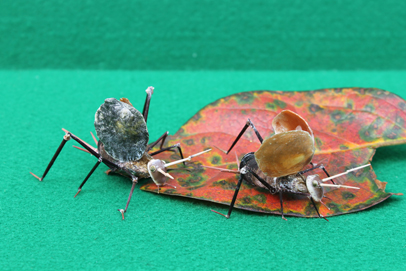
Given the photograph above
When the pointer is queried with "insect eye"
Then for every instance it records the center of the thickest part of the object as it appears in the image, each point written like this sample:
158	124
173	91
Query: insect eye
315	183
152	168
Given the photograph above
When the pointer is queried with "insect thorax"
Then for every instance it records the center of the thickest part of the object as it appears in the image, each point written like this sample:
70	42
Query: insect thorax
249	162
137	168
292	183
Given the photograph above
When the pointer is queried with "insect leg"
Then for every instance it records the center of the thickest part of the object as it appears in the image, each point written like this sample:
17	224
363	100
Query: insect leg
66	137
162	139
281	200
267	185
88	148
315	167
134	180
88	175
315	207
149	92
247	124
237	189
328	175
271	189
177	145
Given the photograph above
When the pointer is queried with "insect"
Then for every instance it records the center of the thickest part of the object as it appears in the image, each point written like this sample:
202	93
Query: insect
278	164
123	145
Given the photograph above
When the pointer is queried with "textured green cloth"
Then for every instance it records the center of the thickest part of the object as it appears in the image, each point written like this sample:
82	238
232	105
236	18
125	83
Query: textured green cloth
207	34
43	227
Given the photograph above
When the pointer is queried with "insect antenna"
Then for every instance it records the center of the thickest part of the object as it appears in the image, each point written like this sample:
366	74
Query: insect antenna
177	145
186	159
344	173
223	169
338	186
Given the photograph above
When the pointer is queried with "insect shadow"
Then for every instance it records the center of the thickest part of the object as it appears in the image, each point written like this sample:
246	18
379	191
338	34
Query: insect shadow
123	145
277	165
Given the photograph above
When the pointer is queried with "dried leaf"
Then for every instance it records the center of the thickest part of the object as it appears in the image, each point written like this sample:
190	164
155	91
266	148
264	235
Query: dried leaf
348	124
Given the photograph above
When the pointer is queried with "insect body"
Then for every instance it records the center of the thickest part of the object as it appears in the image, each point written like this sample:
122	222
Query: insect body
278	164
123	144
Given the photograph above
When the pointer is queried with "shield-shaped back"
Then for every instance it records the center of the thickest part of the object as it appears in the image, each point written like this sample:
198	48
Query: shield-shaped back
122	130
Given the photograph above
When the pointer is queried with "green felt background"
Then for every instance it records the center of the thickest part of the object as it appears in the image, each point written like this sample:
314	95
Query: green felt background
59	60
43	227
207	34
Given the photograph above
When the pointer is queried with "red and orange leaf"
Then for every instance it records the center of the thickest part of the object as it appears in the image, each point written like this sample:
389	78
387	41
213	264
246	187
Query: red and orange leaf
348	124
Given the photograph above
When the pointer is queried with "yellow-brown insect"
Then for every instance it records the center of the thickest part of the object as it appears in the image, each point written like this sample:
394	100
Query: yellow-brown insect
278	164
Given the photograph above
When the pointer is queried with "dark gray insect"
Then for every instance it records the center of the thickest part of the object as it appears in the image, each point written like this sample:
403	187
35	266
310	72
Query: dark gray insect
123	145
278	164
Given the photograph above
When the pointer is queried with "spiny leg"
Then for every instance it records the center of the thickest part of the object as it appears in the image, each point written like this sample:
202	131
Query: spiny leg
161	138
315	207
134	182
149	91
66	137
237	189
88	175
177	145
247	124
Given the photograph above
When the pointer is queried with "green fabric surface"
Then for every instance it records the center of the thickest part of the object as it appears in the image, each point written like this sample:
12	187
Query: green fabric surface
238	35
43	227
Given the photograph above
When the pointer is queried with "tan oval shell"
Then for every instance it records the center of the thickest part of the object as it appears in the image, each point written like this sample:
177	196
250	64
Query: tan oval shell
290	121
285	153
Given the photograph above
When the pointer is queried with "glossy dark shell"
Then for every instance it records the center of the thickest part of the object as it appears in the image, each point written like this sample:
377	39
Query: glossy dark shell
285	153
122	130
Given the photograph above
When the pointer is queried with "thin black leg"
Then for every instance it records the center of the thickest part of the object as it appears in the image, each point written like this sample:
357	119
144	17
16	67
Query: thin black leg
315	207
134	180
65	139
314	167
267	185
328	175
281	200
88	175
149	91
177	145
247	124
237	189
162	139
84	145
310	169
